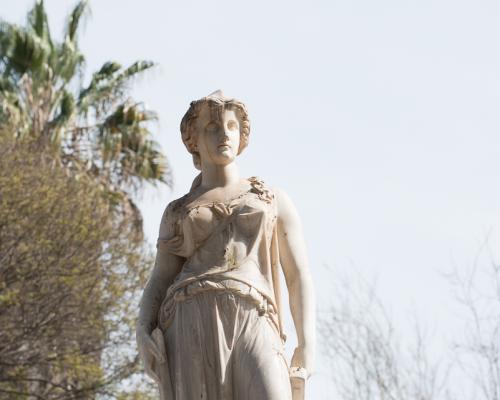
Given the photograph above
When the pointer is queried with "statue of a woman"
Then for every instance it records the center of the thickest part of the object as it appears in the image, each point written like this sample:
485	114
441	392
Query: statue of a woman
210	319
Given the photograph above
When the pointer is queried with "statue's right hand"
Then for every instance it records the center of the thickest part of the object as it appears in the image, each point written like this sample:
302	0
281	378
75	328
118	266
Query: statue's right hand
149	351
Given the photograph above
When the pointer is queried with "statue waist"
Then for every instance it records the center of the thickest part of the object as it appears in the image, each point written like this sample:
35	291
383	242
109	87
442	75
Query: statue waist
185	290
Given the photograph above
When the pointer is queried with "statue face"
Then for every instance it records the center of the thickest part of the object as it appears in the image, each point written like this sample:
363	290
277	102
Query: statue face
218	136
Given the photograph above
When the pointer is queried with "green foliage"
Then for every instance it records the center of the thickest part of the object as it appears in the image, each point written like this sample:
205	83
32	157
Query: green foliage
94	129
72	256
70	271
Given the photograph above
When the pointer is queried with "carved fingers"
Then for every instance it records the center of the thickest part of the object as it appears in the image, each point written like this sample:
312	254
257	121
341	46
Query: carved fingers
150	353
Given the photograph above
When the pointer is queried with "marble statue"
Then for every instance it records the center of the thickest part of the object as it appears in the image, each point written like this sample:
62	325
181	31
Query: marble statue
210	321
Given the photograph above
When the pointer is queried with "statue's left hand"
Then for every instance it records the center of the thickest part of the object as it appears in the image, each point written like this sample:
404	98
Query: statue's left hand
148	351
302	357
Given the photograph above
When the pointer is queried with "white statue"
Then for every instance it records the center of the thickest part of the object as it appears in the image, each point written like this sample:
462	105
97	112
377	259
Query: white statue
210	319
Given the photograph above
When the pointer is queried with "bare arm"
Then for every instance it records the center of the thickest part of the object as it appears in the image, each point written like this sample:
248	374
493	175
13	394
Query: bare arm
293	259
167	266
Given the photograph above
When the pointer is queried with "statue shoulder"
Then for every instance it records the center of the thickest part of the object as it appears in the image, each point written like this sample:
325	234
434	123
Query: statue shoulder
173	209
284	205
270	194
263	191
177	204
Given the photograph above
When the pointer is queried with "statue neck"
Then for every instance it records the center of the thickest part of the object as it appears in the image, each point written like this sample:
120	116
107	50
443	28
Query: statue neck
219	175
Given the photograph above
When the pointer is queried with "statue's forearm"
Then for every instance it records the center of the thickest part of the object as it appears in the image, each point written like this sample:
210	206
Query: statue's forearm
302	308
150	304
167	266
293	259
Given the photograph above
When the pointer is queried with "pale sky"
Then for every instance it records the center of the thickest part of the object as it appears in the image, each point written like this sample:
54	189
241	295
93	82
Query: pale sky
380	119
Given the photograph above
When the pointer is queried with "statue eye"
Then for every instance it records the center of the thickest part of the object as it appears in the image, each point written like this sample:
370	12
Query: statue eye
211	127
232	125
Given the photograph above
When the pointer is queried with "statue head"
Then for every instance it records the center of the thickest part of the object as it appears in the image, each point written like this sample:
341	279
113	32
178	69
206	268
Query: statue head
206	116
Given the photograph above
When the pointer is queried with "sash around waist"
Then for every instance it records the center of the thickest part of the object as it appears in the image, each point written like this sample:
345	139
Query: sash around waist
259	293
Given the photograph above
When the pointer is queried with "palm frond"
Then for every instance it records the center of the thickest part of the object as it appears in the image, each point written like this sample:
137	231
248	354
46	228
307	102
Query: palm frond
102	92
14	116
141	158
75	18
135	69
38	21
66	111
6	85
108	85
104	74
22	49
151	164
128	114
125	142
40	98
108	69
5	39
69	60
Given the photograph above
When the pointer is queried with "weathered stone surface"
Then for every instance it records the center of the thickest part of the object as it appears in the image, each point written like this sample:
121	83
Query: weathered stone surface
210	318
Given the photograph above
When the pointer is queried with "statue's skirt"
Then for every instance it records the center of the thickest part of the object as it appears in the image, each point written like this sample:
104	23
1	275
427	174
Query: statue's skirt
221	346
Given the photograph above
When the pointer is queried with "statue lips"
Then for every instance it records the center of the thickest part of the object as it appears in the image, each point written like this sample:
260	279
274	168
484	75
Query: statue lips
224	148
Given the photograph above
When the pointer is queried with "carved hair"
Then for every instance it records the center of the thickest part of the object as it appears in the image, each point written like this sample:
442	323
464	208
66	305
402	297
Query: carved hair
217	104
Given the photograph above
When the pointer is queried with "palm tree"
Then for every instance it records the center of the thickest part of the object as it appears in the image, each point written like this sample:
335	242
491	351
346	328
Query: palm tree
93	129
100	137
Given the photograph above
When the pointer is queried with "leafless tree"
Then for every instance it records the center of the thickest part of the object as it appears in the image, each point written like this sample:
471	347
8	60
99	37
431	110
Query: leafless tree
477	290
368	358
